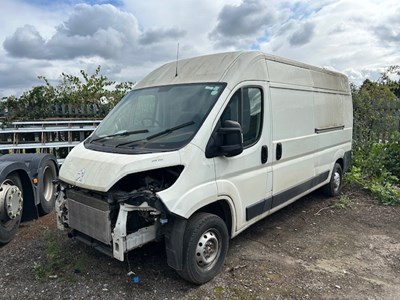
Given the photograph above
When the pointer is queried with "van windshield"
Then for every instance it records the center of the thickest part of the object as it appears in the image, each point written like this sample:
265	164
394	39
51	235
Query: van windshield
163	118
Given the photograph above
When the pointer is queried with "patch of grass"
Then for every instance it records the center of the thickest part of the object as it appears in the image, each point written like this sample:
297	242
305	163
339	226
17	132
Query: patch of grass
52	261
82	262
343	203
218	292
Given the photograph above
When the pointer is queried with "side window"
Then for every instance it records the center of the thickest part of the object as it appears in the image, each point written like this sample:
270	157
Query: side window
245	107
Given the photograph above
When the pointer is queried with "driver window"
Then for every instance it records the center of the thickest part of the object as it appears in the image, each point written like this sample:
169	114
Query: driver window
245	107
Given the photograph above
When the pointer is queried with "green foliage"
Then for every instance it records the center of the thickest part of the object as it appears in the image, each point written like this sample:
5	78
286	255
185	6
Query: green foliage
391	78
82	262
373	118
376	149
343	203
52	261
73	94
373	171
392	158
387	192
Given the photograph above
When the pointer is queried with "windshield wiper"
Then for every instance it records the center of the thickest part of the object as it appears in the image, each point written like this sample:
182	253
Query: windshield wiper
125	133
169	130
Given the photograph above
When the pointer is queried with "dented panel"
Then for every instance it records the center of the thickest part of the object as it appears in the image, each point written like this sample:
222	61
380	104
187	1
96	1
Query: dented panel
99	171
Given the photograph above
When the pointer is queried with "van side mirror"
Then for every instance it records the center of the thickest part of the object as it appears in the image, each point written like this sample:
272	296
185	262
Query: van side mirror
232	138
226	140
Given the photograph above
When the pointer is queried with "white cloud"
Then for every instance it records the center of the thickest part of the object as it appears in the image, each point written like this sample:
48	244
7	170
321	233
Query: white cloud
247	21
130	38
100	30
343	37
302	35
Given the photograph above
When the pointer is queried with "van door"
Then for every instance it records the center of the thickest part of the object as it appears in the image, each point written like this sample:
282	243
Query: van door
246	178
293	143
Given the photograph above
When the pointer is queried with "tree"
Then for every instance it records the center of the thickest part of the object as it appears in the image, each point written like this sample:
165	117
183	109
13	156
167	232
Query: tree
74	92
373	120
387	78
376	147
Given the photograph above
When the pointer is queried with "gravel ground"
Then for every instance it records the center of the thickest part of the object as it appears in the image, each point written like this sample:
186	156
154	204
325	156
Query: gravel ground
309	250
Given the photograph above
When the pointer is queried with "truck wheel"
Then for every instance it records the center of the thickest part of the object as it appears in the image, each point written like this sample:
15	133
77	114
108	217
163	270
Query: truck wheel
205	243
334	187
47	188
11	203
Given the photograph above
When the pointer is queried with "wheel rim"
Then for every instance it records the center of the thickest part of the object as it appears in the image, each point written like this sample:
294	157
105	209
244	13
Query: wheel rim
336	180
208	249
11	201
48	186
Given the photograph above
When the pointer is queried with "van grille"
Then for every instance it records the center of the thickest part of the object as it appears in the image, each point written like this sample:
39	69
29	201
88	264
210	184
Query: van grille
89	216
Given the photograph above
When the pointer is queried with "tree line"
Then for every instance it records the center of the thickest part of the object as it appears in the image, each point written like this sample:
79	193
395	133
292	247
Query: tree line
376	110
43	101
376	147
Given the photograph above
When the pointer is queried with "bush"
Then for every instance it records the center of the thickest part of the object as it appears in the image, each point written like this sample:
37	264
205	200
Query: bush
376	146
392	158
375	169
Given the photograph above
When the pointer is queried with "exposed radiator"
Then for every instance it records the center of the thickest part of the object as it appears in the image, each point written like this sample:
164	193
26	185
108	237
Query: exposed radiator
89	216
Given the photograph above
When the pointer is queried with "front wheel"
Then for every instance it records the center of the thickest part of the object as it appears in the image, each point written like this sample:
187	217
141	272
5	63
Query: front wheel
334	187
205	243
11	203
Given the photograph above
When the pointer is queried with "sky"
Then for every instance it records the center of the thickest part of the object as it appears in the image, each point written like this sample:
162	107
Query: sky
128	38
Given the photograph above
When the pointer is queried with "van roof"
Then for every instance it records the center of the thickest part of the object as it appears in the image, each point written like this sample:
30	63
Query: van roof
235	67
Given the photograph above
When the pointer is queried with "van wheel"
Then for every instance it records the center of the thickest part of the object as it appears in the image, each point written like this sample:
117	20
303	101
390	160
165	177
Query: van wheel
334	187
11	203
205	243
47	188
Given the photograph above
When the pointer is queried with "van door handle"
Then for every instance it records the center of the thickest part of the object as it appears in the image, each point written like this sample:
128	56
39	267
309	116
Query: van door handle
264	154
278	151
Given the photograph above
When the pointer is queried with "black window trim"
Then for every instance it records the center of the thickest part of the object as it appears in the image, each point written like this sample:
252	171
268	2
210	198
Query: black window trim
241	110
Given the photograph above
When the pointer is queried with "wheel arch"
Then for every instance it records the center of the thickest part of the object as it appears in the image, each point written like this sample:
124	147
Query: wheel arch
29	210
175	230
222	208
340	161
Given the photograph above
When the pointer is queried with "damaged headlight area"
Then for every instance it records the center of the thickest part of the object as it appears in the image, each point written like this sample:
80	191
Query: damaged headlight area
128	216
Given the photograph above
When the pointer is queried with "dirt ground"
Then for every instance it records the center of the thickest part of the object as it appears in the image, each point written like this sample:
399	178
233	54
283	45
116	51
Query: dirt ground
309	250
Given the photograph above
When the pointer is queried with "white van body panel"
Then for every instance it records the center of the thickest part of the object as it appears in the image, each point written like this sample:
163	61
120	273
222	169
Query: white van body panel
99	171
195	187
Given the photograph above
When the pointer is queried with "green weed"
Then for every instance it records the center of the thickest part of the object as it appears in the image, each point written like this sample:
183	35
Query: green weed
343	203
52	261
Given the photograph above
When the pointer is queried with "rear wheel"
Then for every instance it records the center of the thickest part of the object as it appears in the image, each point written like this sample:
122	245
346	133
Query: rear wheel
205	243
334	187
11	203
47	188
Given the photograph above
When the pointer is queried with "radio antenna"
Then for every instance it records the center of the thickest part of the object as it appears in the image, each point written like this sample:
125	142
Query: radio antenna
177	58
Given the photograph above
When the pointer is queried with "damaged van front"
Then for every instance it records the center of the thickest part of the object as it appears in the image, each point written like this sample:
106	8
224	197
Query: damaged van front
112	183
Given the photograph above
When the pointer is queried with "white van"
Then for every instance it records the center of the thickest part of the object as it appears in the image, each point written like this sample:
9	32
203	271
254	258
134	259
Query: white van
203	148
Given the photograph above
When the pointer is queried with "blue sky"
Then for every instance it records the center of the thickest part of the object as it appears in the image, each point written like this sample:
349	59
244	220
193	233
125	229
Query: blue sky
130	38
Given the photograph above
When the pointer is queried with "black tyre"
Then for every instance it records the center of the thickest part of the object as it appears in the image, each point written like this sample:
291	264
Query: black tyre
11	204
205	243
334	187
47	188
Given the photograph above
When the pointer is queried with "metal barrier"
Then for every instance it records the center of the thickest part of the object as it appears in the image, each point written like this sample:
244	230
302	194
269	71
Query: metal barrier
50	136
